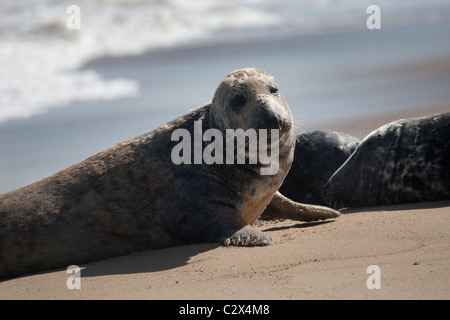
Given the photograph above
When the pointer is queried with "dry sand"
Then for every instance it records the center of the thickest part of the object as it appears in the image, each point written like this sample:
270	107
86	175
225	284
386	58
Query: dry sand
328	260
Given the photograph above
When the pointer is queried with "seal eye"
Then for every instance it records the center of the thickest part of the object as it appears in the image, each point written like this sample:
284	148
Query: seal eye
274	90
238	101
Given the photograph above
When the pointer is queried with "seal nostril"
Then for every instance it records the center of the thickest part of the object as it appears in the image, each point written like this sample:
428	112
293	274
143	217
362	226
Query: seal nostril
270	120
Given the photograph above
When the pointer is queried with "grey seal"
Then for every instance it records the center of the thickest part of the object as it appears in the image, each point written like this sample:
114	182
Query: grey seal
318	154
133	196
407	160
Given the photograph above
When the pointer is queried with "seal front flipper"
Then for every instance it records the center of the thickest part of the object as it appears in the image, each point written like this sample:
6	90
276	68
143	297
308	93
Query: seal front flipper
284	208
248	237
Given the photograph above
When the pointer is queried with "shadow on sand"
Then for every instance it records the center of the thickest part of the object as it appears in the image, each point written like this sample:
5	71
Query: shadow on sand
146	261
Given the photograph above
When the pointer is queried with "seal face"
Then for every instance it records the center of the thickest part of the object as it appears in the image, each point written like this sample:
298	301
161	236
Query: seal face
318	154
250	98
133	197
403	161
247	99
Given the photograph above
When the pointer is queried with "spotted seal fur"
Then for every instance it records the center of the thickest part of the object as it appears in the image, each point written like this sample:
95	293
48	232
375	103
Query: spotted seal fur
407	160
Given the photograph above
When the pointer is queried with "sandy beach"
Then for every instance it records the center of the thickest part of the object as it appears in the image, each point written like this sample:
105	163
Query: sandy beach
326	260
349	81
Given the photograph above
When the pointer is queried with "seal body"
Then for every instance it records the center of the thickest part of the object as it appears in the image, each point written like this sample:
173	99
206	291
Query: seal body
318	154
133	197
404	161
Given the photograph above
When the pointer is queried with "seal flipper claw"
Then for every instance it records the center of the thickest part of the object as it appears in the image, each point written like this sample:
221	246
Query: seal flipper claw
284	208
247	237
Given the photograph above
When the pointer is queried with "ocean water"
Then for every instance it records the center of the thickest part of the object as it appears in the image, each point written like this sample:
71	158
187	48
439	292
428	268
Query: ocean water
40	57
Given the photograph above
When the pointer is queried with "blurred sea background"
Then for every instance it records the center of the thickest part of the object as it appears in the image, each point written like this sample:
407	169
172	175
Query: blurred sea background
66	94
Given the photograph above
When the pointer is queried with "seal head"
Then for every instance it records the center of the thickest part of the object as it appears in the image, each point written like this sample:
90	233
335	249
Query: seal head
250	98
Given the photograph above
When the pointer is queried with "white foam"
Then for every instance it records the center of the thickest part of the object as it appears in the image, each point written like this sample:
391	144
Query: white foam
40	57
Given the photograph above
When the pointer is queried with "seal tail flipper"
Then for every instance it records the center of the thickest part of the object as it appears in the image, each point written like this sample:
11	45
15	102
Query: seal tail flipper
285	208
